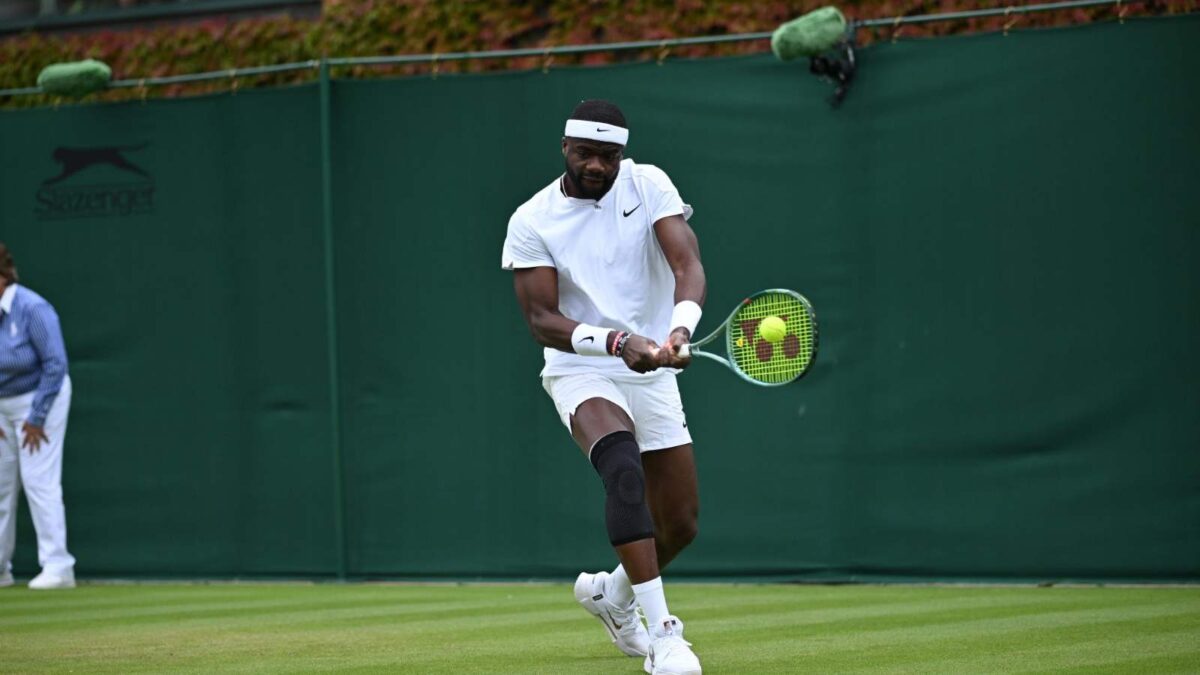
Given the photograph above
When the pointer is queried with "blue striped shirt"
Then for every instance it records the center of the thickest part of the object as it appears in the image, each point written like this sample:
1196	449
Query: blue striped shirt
32	354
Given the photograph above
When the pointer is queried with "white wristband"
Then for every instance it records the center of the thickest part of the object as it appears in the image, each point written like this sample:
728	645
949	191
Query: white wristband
686	315
590	340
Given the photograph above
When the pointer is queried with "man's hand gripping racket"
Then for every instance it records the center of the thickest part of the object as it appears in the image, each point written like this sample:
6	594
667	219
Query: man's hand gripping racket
770	338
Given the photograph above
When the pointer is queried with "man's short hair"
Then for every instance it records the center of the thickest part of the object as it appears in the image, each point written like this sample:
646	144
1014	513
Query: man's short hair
598	110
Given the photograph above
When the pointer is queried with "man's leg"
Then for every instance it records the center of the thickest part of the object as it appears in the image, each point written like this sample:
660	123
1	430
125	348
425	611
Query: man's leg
669	479
604	432
597	420
668	462
674	498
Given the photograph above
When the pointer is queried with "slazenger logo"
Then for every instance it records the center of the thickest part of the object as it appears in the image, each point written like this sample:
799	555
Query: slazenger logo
68	195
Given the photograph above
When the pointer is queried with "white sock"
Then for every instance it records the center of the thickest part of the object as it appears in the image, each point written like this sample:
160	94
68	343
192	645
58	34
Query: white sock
619	589
653	601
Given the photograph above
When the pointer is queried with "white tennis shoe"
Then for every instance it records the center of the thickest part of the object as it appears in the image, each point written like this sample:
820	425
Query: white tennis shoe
6	579
669	653
46	581
624	626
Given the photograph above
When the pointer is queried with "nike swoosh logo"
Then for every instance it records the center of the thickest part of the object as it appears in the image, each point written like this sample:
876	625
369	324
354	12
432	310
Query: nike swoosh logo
589	338
613	621
603	131
631	210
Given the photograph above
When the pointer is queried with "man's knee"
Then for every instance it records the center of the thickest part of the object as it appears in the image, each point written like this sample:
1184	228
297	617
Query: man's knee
618	461
680	529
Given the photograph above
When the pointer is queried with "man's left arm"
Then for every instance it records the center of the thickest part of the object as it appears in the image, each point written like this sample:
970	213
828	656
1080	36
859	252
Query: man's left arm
682	250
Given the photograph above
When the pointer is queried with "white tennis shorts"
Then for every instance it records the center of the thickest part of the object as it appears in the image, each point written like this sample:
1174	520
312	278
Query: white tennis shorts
652	403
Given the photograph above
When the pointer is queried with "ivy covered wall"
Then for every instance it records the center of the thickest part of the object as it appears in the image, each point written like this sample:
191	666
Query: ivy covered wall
385	27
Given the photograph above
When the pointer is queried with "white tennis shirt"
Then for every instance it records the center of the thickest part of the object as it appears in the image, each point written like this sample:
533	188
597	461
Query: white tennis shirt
611	270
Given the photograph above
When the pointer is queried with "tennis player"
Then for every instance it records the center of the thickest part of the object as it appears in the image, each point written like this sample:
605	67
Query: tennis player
606	268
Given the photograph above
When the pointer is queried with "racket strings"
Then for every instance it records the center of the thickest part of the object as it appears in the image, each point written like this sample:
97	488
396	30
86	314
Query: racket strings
772	362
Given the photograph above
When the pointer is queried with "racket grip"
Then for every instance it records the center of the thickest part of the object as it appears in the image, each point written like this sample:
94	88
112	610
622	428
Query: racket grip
685	351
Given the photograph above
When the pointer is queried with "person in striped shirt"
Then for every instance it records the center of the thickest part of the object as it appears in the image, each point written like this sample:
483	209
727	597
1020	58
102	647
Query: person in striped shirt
35	397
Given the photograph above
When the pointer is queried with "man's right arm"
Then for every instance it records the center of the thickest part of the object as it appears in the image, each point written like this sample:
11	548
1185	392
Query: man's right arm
537	292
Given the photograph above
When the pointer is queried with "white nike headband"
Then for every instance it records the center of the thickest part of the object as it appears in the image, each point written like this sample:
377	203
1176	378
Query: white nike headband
597	131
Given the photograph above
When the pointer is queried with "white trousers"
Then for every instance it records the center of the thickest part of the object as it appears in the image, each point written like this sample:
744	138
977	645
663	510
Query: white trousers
40	474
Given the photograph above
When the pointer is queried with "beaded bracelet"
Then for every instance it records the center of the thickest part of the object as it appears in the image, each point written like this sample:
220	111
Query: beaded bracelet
619	344
612	346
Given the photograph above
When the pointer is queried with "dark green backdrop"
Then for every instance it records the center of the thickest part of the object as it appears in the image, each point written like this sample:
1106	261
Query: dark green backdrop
999	234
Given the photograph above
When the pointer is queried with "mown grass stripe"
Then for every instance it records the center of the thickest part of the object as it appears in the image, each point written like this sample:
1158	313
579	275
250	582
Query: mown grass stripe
1156	664
963	648
1060	652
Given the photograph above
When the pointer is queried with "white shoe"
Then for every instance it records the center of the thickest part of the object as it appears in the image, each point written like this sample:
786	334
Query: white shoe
669	653
46	581
6	579
623	625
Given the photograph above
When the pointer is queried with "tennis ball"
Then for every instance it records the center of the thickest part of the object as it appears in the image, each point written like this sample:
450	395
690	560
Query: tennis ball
772	329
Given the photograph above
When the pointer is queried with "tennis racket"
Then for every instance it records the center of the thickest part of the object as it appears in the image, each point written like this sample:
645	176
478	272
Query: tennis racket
753	357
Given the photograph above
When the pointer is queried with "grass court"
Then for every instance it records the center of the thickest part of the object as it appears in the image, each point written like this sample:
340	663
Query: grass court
367	628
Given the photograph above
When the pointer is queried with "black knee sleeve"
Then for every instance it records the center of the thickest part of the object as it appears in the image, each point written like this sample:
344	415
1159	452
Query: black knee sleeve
619	464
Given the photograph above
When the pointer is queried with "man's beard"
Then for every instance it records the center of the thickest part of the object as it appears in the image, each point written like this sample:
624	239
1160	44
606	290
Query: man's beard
586	192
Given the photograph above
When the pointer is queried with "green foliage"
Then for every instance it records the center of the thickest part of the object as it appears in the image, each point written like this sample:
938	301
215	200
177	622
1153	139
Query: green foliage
387	27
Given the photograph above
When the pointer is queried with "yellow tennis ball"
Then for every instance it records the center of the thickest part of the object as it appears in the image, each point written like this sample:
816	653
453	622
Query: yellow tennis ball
772	329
